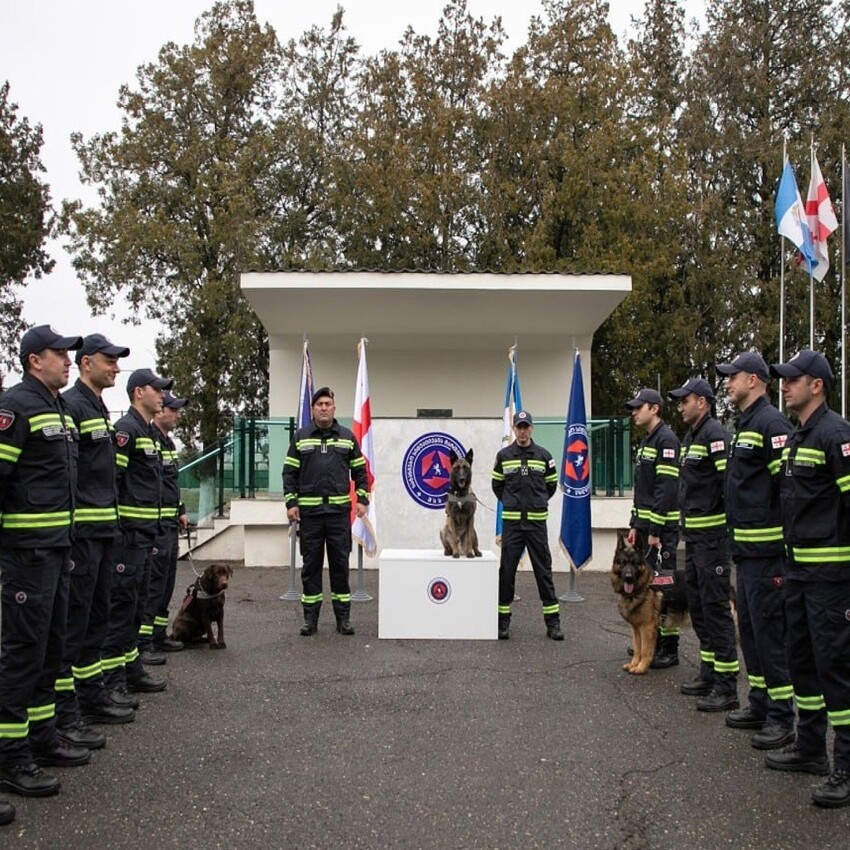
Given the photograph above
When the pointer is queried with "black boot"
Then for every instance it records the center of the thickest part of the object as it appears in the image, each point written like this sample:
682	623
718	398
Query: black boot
667	653
553	629
504	628
311	622
343	626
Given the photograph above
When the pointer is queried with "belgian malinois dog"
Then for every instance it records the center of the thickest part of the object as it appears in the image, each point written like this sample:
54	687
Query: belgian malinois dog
458	535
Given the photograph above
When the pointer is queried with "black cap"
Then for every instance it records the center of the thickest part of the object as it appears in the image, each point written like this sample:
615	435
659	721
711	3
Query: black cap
805	362
170	400
147	378
522	417
98	343
750	362
322	392
646	396
697	386
44	336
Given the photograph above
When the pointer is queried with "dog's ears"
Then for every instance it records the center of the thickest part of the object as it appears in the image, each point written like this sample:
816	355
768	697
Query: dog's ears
229	570
622	539
452	456
469	457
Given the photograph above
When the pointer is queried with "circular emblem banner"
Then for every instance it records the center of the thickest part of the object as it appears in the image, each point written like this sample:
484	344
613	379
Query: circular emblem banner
426	468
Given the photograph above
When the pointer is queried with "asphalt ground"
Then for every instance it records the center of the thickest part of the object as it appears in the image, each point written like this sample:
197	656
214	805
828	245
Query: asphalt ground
334	742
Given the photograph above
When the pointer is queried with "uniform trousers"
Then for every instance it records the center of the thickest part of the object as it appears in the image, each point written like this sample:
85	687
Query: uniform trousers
518	535
130	580
818	640
80	679
163	576
760	587
34	600
318	532
707	585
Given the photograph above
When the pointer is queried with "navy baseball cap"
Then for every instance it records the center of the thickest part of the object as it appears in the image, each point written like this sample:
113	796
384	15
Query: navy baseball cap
44	336
322	392
171	400
646	396
147	378
805	362
522	417
750	362
697	386
98	343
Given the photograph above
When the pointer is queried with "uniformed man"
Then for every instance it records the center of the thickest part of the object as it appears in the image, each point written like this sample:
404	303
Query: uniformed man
152	637
755	525
524	479
815	498
322	460
655	511
37	490
80	688
138	467
707	566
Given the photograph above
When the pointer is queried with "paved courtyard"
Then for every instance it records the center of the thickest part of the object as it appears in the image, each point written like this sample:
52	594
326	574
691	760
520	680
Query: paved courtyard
331	742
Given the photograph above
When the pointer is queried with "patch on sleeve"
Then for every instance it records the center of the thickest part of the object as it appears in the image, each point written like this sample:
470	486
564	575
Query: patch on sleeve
6	419
668	453
551	463
778	442
845	449
122	438
717	446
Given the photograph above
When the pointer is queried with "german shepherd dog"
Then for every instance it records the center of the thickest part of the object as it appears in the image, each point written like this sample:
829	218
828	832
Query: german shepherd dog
458	535
647	599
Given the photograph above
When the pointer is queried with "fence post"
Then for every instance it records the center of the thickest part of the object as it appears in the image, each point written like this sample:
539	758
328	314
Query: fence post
252	458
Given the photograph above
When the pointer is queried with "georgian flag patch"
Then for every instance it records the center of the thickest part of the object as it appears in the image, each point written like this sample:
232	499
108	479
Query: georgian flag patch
6	419
717	446
668	453
778	442
845	449
122	438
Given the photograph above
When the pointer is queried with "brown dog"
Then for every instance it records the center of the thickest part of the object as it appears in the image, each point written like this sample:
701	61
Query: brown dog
643	604
458	535
203	606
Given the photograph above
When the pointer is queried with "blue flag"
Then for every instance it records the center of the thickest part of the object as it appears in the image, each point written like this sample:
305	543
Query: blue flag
513	404
791	221
575	477
305	390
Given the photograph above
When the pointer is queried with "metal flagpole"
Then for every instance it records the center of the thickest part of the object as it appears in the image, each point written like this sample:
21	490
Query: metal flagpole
843	282
811	269
292	593
360	595
782	287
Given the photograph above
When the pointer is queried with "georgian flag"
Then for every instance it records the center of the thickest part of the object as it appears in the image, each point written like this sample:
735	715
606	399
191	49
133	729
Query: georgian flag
821	218
363	529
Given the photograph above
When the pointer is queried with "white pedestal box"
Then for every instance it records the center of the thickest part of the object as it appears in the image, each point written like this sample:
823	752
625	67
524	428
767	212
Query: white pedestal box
424	594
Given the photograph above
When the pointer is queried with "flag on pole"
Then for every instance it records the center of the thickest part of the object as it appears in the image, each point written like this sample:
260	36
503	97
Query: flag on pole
513	403
821	218
363	529
790	219
576	538
845	199
305	389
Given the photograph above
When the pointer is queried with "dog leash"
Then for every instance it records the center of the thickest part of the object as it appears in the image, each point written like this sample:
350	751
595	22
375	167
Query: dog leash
189	555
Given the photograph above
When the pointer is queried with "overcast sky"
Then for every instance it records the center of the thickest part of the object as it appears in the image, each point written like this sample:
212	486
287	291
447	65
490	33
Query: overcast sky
65	60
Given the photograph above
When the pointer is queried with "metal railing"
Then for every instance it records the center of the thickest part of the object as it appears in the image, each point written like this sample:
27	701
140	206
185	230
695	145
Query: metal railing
249	463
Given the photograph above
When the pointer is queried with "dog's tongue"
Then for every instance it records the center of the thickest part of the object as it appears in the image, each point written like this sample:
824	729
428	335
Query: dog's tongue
628	587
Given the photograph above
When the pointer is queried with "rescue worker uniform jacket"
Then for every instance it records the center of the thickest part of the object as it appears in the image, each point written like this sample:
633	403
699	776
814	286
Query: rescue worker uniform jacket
37	467
96	512
319	467
138	466
317	474
524	478
656	486
80	682
815	495
751	487
707	567
37	492
701	473
754	520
